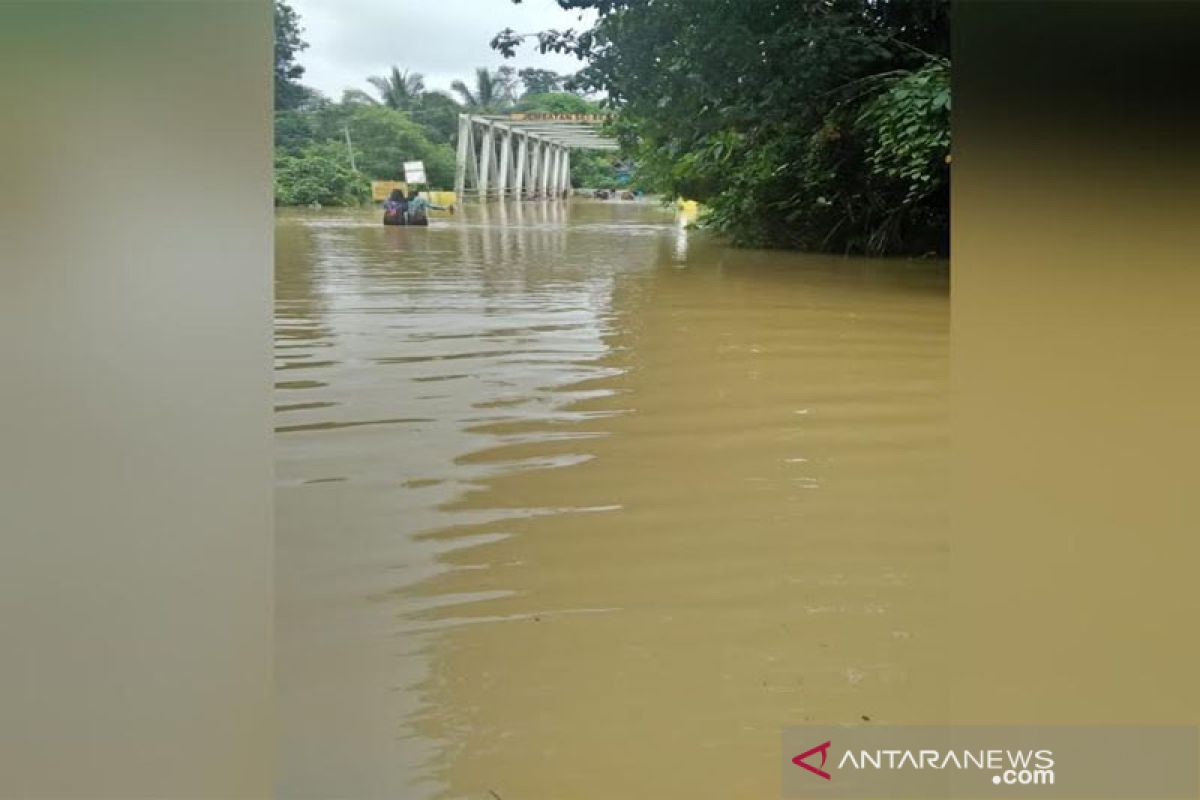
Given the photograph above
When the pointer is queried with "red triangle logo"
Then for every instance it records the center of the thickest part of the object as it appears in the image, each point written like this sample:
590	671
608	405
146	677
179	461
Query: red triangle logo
823	749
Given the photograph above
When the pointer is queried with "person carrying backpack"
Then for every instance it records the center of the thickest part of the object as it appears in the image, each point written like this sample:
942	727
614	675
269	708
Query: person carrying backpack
395	209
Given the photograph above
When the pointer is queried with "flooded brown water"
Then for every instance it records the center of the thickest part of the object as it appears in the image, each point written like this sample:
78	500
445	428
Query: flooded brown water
575	503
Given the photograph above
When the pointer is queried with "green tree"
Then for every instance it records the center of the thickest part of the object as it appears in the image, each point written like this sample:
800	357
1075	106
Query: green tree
398	89
815	124
907	128
556	103
492	91
294	131
320	174
506	76
593	169
289	93
540	81
437	113
384	139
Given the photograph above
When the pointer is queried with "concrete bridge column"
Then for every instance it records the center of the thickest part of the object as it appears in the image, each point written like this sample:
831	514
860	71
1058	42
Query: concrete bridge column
485	160
544	174
564	184
465	155
522	161
505	160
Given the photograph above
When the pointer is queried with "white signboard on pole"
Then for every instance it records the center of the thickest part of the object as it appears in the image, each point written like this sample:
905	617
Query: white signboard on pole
414	172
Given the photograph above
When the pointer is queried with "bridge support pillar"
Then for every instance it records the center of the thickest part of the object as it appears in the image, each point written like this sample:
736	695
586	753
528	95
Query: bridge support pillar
564	176
506	138
522	166
544	175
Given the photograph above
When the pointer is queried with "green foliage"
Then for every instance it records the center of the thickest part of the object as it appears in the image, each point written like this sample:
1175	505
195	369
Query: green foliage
491	92
399	90
556	103
404	90
540	81
294	130
907	126
288	91
815	124
437	113
318	174
384	139
594	170
310	142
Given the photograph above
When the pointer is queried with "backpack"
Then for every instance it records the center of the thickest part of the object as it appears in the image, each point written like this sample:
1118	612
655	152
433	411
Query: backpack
393	213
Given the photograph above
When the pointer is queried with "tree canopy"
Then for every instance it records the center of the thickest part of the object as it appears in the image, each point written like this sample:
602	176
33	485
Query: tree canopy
556	103
816	124
401	89
540	81
490	92
289	93
318	173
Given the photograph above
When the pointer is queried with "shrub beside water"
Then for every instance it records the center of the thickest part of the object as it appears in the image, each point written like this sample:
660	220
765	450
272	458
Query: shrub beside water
318	174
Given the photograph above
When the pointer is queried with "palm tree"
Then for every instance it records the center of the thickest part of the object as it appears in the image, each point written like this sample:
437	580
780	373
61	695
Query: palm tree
492	90
399	90
359	96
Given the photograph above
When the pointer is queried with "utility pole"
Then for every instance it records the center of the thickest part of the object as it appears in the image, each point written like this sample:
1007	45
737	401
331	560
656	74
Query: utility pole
349	147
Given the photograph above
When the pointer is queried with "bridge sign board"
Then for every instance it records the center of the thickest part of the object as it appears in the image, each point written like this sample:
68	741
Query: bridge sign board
537	116
414	172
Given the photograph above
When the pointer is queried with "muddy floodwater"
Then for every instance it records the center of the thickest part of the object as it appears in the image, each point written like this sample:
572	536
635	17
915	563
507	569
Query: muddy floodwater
577	504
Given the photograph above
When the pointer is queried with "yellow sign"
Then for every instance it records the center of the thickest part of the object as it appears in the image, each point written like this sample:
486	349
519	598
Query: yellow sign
538	116
381	189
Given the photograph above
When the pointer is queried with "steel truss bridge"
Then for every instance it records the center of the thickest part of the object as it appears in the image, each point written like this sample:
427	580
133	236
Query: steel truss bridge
522	156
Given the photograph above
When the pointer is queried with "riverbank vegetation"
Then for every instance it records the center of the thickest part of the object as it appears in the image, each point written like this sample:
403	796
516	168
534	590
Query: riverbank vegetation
810	124
327	152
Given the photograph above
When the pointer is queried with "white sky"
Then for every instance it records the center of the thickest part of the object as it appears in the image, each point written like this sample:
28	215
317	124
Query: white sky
442	39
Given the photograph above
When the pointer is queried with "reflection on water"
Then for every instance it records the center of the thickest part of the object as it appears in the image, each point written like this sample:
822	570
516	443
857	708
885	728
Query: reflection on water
574	502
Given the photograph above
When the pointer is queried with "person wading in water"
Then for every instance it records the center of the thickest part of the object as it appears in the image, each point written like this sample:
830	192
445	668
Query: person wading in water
418	208
395	209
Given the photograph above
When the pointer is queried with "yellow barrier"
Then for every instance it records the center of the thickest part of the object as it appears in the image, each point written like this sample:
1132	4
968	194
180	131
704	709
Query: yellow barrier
381	189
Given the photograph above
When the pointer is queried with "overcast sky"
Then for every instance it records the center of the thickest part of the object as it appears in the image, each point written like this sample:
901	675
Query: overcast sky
442	39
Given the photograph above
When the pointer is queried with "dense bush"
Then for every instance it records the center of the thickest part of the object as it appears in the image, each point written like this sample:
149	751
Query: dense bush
318	174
